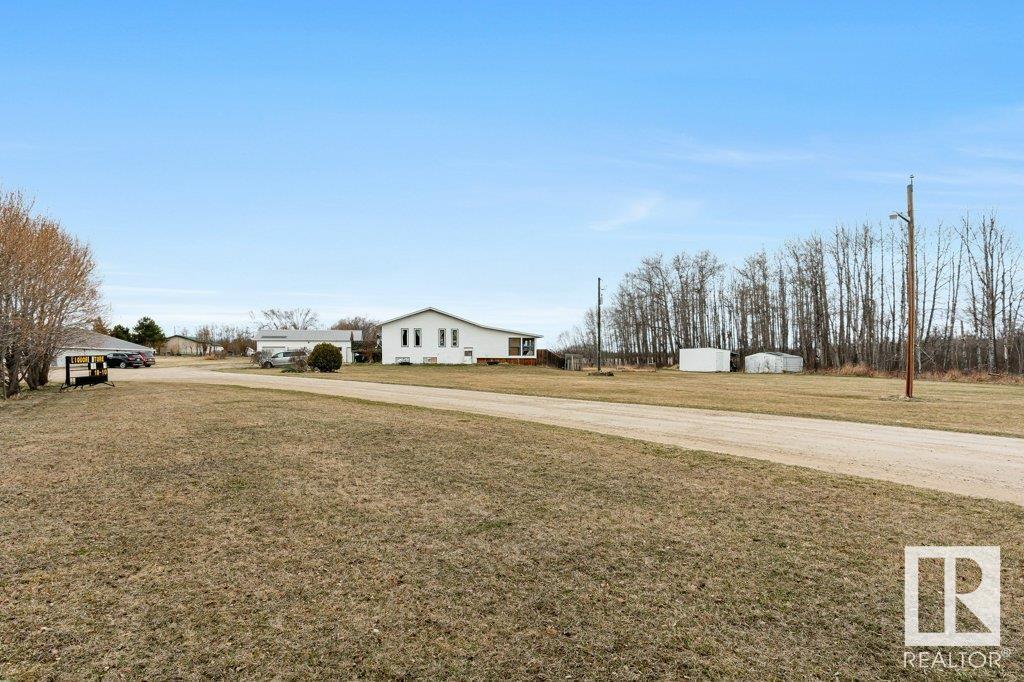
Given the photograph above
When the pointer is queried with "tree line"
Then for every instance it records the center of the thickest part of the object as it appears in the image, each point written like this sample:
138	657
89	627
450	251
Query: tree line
836	299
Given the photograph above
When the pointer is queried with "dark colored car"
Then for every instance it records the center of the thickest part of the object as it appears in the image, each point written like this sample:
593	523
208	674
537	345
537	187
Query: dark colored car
121	359
148	357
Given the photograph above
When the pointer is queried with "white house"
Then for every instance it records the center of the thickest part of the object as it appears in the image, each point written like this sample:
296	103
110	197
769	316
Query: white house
773	363
274	340
432	336
85	342
705	360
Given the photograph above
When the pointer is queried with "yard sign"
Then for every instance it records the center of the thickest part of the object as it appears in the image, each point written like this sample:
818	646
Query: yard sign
85	370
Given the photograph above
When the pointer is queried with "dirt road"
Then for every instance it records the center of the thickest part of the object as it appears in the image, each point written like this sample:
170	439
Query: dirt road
968	464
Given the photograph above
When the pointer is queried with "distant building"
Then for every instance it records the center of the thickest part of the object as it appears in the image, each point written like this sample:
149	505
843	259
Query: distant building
773	363
86	342
277	340
186	345
431	336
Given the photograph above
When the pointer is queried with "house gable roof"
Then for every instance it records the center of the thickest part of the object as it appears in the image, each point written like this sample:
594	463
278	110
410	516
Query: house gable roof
308	334
85	338
192	339
462	319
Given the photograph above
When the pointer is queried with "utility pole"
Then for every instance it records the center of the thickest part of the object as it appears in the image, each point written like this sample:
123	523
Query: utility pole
911	281
911	293
598	324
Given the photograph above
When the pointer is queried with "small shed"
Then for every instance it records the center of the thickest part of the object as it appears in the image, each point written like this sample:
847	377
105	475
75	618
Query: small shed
704	360
772	362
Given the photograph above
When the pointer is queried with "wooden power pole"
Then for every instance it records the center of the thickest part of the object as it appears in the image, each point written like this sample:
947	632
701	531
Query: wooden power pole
911	292
598	324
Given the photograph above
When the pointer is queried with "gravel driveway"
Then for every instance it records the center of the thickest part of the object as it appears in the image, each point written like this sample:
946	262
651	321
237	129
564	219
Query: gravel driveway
968	464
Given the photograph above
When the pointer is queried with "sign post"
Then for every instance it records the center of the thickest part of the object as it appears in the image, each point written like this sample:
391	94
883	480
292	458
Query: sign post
85	370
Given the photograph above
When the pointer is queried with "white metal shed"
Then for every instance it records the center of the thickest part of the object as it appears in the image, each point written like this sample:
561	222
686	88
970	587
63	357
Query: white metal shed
704	360
773	363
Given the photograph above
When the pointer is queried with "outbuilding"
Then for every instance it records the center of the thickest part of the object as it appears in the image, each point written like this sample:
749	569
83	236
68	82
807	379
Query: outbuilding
178	344
430	336
275	340
771	362
705	360
86	342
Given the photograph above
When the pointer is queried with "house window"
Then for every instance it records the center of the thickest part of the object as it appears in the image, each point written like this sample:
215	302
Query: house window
405	338
455	338
402	361
430	361
521	346
417	337
440	338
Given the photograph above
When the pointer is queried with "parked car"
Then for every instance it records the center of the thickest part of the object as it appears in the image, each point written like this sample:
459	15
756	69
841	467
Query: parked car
282	358
123	359
148	357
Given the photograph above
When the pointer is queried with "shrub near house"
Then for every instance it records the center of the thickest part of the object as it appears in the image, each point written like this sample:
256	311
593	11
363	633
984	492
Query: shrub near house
325	357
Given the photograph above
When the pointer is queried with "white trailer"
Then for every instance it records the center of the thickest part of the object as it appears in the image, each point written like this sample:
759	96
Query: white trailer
704	360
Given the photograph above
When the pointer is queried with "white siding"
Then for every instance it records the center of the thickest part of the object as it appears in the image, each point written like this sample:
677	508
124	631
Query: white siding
703	360
486	343
276	345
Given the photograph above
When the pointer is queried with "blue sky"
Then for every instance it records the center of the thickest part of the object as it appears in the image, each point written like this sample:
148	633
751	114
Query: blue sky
488	159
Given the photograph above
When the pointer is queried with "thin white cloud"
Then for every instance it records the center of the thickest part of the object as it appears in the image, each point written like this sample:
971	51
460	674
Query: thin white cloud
157	291
992	153
978	178
311	294
690	150
636	211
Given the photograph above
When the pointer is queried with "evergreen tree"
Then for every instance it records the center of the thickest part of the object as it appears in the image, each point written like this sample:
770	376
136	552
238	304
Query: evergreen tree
119	331
148	332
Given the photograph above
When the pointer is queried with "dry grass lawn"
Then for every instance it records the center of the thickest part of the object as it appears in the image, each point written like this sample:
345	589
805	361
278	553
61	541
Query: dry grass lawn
978	408
156	530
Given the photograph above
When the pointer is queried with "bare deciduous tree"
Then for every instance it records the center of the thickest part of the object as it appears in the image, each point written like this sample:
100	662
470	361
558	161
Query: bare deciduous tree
279	318
370	328
47	289
836	300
